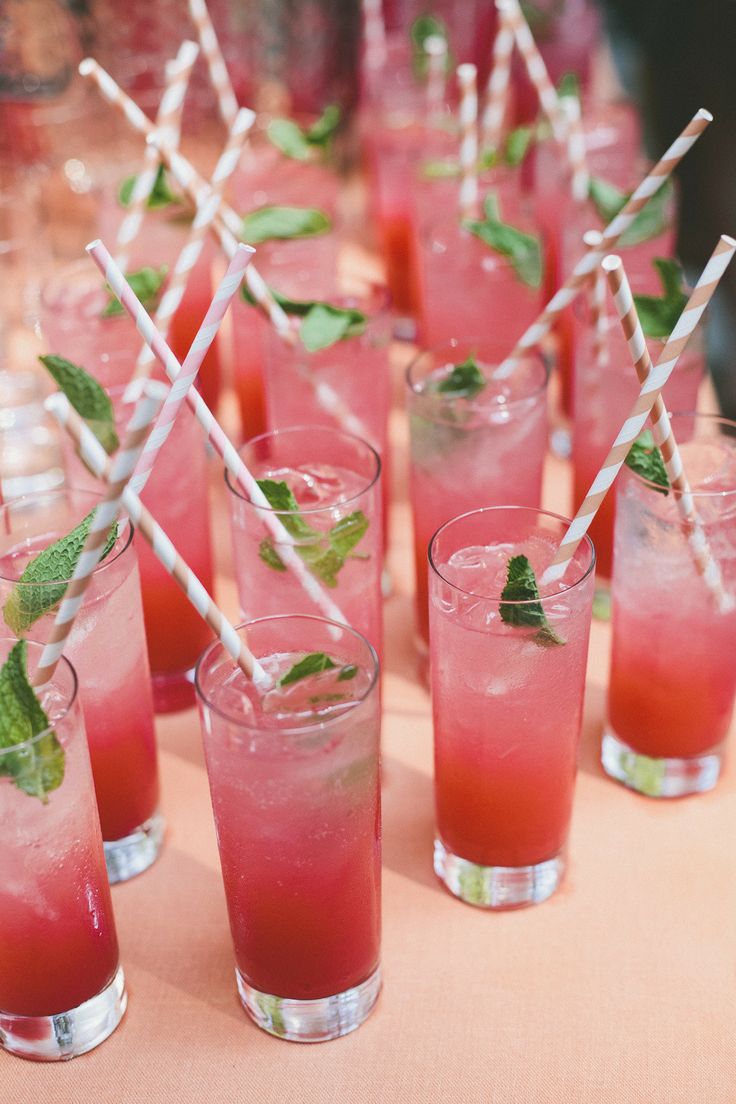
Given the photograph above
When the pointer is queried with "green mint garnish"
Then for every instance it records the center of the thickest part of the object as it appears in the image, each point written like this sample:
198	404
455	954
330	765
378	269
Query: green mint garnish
659	316
518	144
424	27
323	130
569	85
349	671
44	579
465	381
304	145
282	224
322	324
324	553
440	170
161	195
649	223
314	664
515	149
646	460
521	587
541	20
523	250
146	283
89	400
38	768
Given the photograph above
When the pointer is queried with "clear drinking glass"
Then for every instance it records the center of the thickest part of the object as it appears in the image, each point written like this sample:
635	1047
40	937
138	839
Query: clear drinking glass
507	702
62	990
295	791
673	677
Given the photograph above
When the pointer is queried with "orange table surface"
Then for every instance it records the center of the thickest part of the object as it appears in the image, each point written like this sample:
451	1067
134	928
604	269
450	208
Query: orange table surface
620	988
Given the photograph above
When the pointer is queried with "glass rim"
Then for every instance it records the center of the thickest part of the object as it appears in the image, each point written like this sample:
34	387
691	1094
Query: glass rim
57	720
497	597
535	356
706	418
108	561
292	730
306	428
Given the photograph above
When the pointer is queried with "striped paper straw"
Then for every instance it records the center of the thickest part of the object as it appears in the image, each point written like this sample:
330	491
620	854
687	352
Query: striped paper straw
599	314
374	34
664	437
214	432
226	100
642	407
570	106
181	386
192	251
104	516
497	88
435	48
169	114
535	67
468	196
96	459
591	260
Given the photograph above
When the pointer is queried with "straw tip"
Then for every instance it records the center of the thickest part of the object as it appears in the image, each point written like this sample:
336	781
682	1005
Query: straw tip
466	72
592	237
611	263
86	66
243	248
245	118
92	246
704	114
729	241
435	45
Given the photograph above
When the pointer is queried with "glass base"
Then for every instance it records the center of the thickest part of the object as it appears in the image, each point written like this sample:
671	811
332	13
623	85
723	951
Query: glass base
310	1021
497	887
58	1038
133	854
173	691
658	777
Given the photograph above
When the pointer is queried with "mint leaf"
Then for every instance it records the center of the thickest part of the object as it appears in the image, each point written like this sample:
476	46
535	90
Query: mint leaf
518	144
424	27
348	532
440	170
649	223
606	198
270	556
146	283
161	195
281	498
282	224
541	20
45	577
349	671
88	398
311	664
324	324
38	768
523	250
290	139
646	460
323	130
659	316
465	381
569	85
521	587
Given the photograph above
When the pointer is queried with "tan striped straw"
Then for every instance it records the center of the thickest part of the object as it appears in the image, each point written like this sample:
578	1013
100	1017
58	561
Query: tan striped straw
435	48
641	409
374	34
591	260
468	117
570	106
96	459
105	515
597	302
169	115
664	438
535	67
497	88
226	99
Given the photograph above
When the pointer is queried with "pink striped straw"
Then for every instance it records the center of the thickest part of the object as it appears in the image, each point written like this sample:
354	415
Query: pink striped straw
497	88
535	66
169	114
570	106
642	407
468	195
226	99
599	314
374	34
192	251
435	48
214	432
96	459
664	437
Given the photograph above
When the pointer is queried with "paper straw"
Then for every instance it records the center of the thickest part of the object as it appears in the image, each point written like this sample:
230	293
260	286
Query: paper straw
468	197
497	88
599	314
192	251
591	260
226	100
664	437
642	407
374	33
104	516
214	432
169	114
570	106
229	286
435	48
95	457
535	67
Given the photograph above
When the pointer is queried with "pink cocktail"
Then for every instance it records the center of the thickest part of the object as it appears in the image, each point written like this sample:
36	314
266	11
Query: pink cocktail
507	694
108	649
295	792
74	325
673	679
62	990
485	449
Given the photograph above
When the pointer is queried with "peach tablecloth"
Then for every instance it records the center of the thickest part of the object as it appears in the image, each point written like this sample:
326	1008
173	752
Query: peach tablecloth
619	989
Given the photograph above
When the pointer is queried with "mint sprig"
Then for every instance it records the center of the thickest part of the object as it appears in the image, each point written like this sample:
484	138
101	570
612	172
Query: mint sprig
314	664
659	315
520	602
523	250
324	553
37	768
646	460
424	27
465	381
516	147
146	283
322	324
44	580
87	397
305	144
651	221
283	224
162	194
